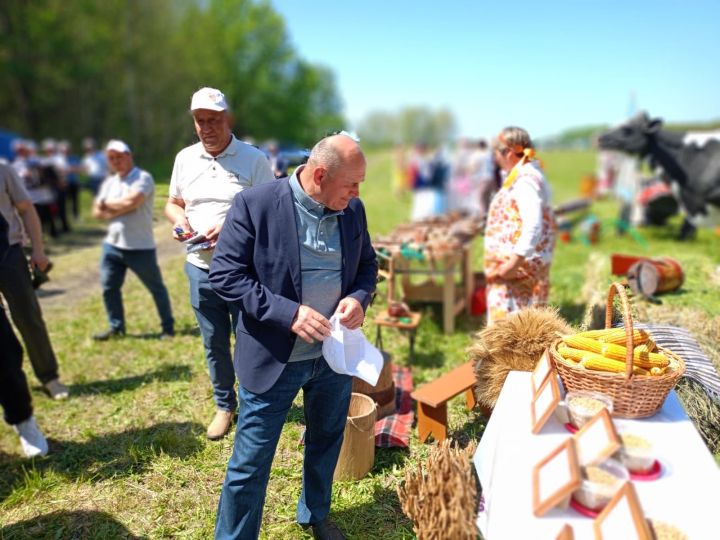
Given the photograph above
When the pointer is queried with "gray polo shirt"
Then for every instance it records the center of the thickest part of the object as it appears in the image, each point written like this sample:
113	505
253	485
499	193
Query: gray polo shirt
12	191
320	261
133	230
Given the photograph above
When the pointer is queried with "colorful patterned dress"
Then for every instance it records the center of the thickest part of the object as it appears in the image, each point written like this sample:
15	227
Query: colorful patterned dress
520	220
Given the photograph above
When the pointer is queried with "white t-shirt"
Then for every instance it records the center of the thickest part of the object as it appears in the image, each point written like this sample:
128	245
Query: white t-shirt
133	230
209	184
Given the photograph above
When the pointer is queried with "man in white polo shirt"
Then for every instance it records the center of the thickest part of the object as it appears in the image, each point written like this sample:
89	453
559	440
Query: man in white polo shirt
205	179
125	201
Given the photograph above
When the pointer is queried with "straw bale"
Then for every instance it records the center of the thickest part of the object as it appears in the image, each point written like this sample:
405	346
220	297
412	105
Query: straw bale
514	343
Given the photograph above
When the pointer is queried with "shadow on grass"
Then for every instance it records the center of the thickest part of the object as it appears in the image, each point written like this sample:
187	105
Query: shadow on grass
65	524
81	236
387	458
174	372
379	520
187	331
572	313
101	457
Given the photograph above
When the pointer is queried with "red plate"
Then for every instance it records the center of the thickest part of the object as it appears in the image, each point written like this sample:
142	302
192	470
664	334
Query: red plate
582	509
653	473
571	428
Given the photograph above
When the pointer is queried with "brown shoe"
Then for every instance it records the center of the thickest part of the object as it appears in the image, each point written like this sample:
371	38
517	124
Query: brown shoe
220	425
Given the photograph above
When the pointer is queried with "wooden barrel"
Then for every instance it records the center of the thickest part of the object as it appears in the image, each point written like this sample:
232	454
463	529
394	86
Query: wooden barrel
383	393
357	453
653	276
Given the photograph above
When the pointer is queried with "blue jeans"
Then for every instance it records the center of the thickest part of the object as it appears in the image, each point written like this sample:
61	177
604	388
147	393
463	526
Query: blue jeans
114	263
217	319
326	398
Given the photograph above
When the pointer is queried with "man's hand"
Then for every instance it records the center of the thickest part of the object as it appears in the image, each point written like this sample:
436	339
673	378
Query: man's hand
350	313
39	260
212	234
181	224
310	325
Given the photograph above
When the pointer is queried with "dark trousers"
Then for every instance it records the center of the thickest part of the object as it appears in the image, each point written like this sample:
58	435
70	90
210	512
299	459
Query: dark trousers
16	287
47	220
73	194
14	393
62	199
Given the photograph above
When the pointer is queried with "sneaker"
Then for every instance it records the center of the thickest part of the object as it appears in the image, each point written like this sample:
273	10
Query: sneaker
220	425
33	441
57	390
109	333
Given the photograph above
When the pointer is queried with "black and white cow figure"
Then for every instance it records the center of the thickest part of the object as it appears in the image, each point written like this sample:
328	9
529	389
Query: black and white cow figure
690	160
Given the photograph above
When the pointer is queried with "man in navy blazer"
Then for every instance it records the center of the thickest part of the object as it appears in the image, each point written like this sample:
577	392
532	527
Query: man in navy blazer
291	254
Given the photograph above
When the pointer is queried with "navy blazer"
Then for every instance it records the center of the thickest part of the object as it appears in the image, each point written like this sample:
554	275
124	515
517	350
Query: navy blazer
257	265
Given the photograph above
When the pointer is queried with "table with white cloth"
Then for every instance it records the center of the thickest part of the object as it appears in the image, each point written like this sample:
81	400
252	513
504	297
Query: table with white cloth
685	495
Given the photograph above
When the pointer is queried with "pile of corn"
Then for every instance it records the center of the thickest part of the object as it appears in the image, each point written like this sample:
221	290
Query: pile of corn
602	350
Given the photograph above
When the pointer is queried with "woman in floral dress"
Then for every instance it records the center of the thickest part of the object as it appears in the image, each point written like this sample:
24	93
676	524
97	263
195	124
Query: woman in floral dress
520	230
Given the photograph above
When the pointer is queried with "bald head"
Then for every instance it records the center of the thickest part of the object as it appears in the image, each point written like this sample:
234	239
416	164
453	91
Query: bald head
334	152
334	170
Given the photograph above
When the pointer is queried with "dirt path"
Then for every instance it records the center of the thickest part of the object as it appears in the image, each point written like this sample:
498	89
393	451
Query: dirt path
80	277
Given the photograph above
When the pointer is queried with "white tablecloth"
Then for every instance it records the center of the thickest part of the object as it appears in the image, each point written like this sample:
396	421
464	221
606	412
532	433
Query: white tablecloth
685	495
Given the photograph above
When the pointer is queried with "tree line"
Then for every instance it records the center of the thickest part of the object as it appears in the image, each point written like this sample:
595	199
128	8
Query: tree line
127	69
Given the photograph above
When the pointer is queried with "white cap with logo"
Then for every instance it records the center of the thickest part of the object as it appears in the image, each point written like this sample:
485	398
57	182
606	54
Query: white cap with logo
116	145
209	98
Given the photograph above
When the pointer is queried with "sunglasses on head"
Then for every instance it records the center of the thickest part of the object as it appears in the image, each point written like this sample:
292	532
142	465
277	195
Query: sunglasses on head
352	135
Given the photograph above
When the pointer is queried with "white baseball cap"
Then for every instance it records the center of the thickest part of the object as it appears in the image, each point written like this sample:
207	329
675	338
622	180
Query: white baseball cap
209	98
116	145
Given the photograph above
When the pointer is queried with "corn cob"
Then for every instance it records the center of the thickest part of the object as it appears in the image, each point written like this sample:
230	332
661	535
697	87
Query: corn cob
568	353
657	371
643	359
601	363
577	341
648	346
615	335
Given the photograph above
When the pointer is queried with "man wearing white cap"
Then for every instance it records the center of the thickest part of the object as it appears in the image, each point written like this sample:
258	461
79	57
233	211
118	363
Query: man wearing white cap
125	201
205	179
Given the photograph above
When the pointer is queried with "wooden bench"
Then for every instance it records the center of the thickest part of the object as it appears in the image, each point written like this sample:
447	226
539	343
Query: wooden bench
432	400
384	319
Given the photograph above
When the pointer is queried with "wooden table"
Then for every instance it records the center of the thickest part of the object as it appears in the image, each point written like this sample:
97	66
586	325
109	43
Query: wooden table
455	291
384	319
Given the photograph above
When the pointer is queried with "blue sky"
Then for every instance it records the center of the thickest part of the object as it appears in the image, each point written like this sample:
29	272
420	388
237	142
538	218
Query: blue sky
544	66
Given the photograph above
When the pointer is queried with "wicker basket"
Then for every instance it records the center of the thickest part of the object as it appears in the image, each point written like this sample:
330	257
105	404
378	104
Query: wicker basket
634	396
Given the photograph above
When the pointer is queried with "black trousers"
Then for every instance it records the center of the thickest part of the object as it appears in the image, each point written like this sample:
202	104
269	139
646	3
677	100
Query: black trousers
14	393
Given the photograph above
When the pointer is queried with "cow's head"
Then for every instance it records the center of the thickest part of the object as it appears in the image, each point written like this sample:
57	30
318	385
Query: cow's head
632	137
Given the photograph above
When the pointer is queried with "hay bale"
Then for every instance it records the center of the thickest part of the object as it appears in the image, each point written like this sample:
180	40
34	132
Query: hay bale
514	343
441	500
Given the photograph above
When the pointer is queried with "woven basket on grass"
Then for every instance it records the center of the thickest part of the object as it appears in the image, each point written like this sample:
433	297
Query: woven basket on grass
634	396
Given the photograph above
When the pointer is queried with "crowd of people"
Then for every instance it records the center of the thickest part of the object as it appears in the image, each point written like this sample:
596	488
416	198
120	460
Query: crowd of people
271	261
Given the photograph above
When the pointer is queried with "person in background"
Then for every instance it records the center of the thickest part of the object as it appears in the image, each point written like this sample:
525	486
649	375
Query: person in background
72	167
483	173
39	181
278	164
54	159
205	179
93	165
520	230
125	201
292	255
14	394
16	281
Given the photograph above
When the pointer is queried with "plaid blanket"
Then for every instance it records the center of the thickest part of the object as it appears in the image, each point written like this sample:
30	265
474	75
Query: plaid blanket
697	366
395	430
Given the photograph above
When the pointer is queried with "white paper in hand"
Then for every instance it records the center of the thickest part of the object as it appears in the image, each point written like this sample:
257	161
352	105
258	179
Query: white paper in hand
348	352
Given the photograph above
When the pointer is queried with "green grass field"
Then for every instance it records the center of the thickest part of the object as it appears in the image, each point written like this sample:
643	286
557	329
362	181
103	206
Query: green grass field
129	456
